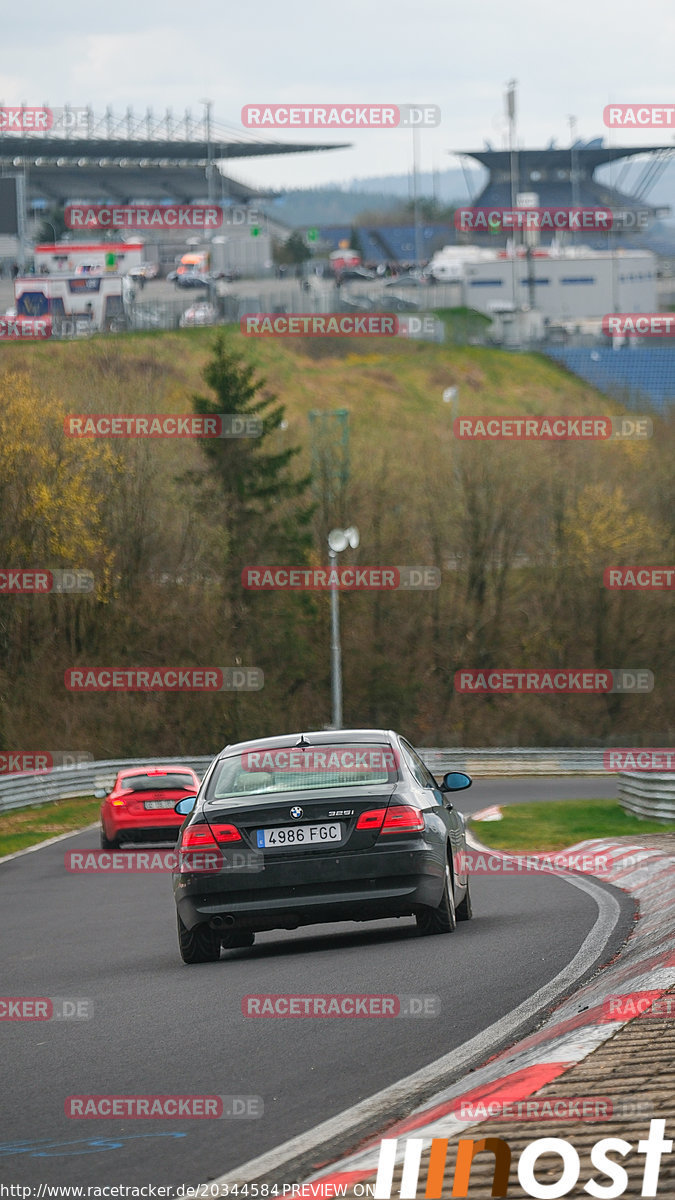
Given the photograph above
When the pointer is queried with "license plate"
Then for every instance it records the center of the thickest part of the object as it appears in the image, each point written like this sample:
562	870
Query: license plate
299	835
158	803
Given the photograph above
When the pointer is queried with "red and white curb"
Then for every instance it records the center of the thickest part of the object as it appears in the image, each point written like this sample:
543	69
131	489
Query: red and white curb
577	1027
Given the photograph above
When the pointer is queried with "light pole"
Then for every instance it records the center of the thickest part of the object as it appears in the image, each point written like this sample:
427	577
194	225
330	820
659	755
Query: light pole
338	539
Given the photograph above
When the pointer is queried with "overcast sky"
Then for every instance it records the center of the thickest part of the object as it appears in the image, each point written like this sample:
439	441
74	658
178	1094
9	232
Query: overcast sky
571	57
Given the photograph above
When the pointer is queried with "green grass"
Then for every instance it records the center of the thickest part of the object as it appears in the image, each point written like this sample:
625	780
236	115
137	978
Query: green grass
542	826
39	822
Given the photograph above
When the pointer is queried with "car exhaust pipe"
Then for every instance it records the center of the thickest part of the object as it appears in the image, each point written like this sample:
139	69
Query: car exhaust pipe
220	922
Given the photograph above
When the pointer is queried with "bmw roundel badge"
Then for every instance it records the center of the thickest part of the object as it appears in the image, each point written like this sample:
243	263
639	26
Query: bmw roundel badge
296	812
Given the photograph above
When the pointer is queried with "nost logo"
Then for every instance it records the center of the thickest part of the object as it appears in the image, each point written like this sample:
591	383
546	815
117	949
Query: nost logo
567	1172
339	116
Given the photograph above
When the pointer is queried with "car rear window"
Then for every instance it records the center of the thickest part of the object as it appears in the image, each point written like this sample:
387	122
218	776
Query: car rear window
292	769
158	783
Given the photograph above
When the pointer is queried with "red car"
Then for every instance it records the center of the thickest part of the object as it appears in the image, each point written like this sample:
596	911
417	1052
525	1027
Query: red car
141	806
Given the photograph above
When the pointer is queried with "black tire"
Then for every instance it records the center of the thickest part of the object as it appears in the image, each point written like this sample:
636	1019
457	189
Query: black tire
198	945
236	941
443	918
109	843
464	912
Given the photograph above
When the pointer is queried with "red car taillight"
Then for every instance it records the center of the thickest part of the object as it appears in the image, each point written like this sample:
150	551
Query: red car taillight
226	833
198	837
399	818
372	819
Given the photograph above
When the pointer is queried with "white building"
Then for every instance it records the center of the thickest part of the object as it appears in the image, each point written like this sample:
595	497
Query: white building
560	282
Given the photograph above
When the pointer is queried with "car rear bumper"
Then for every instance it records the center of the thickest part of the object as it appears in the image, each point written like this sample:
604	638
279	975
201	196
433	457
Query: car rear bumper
137	829
315	888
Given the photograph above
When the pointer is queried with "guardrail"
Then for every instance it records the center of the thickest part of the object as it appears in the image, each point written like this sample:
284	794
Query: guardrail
67	783
560	760
83	779
647	794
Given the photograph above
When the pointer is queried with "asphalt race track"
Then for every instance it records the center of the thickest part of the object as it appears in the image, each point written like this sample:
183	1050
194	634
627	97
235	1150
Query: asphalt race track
159	1027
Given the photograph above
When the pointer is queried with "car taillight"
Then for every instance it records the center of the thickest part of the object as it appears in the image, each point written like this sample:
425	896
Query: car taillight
197	837
403	817
372	819
226	833
397	818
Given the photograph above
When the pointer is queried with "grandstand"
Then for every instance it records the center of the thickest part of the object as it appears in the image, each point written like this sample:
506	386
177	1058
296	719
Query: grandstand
109	158
566	178
641	377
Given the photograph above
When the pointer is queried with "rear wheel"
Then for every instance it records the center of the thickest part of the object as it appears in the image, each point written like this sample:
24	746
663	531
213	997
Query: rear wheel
108	843
464	910
441	919
197	945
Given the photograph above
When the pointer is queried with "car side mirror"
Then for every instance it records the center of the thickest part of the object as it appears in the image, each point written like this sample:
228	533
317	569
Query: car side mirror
185	806
455	781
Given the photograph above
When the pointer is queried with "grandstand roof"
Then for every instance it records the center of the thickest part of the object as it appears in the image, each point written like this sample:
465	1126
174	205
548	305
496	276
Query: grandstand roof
122	159
586	158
